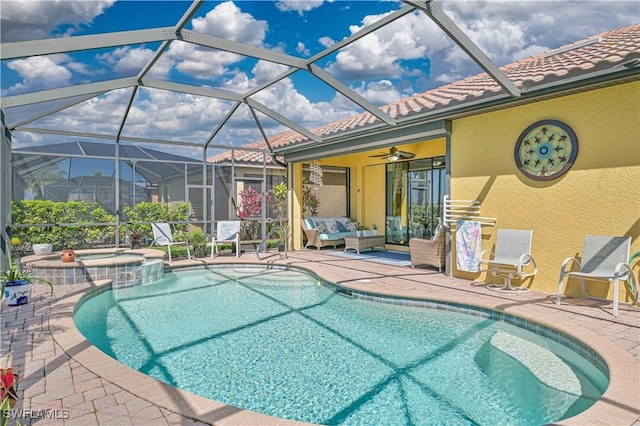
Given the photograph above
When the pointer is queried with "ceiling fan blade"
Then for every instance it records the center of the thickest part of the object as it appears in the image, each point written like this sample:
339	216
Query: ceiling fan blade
405	154
381	155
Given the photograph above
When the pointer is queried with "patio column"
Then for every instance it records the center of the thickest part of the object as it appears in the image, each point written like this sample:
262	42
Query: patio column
5	191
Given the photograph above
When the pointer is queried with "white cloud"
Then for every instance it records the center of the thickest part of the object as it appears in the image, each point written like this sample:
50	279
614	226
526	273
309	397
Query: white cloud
226	20
380	54
300	6
326	41
32	20
380	92
302	49
38	73
127	60
265	70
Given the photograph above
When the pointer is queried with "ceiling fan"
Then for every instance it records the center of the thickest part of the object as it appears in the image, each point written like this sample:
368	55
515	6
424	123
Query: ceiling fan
395	154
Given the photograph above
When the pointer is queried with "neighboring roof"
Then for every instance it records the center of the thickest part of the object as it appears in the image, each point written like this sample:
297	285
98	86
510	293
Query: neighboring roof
615	52
151	164
92	149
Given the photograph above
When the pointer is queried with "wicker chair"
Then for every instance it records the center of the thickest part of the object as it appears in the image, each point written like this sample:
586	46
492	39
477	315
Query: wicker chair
428	252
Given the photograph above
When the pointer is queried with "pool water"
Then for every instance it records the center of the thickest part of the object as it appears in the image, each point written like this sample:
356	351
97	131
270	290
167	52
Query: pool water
278	343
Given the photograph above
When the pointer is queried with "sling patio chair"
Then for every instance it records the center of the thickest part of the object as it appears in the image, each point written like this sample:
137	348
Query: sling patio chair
512	259
162	236
604	259
227	231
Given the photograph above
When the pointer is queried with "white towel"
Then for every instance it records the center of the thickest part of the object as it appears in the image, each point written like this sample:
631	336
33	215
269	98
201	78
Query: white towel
468	245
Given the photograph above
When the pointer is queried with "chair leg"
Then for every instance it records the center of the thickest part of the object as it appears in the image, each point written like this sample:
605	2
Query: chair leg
169	246
560	285
616	283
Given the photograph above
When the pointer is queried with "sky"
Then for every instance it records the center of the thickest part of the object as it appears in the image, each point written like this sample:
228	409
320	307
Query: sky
408	56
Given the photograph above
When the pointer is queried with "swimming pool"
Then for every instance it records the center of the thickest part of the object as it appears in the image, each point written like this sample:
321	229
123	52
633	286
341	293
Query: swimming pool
277	343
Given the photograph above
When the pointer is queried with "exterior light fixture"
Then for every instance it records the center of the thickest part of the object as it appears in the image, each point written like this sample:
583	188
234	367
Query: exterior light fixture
393	157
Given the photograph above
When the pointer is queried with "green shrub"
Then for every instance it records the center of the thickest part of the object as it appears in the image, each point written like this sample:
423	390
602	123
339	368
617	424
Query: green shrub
50	212
198	241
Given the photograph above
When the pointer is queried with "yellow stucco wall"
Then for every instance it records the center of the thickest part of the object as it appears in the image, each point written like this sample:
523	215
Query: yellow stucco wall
600	194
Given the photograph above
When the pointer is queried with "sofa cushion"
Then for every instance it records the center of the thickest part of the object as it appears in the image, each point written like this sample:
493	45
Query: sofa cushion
331	228
334	235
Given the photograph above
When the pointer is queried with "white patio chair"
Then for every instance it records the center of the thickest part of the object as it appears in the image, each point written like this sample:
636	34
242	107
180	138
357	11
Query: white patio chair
603	259
227	231
162	236
512	258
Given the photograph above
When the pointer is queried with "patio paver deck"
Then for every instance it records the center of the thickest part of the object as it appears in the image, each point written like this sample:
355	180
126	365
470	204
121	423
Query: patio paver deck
62	373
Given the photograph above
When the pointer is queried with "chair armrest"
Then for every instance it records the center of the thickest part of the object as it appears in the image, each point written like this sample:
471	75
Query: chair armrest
566	263
311	233
525	260
632	282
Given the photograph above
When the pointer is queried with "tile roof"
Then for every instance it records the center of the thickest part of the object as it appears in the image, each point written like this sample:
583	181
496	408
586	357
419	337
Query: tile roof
578	59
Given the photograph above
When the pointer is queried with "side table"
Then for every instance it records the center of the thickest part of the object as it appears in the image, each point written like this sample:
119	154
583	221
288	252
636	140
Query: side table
361	243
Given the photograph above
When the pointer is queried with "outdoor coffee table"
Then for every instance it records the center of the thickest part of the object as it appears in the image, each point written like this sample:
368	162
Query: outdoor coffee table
361	243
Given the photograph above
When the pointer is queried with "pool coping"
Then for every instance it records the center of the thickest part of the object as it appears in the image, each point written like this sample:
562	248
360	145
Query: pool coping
618	405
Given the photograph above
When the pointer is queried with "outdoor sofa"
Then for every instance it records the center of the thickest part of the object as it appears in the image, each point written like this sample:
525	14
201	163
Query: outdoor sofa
327	231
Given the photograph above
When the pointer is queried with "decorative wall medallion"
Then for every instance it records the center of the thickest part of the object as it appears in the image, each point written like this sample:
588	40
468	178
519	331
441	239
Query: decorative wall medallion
546	150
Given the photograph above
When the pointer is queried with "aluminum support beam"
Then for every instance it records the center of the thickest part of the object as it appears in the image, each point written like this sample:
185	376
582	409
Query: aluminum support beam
193	90
241	49
126	113
67	92
461	39
339	45
50	46
282	119
107	137
188	14
331	81
221	125
54	110
363	32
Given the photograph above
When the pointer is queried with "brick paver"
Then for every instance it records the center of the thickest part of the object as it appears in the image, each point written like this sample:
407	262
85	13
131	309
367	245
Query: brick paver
51	378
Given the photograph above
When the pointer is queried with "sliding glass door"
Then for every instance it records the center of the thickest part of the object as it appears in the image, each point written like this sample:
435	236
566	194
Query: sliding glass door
414	198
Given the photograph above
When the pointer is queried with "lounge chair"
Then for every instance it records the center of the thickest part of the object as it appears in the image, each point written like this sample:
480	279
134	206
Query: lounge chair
163	236
512	258
603	259
227	231
429	252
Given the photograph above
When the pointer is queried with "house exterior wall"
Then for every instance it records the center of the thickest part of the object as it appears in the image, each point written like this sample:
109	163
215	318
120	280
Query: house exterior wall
600	194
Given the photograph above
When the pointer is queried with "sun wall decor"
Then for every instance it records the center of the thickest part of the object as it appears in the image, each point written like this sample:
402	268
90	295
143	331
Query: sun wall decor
546	150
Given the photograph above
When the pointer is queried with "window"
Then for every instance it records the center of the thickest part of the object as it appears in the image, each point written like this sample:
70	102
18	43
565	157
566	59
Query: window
331	198
414	191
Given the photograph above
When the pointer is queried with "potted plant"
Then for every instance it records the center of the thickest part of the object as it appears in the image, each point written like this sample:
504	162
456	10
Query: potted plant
41	249
199	242
17	280
360	230
374	230
68	255
8	393
135	238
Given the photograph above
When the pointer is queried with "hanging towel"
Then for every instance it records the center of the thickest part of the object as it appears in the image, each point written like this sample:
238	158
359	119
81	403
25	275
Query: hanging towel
468	245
